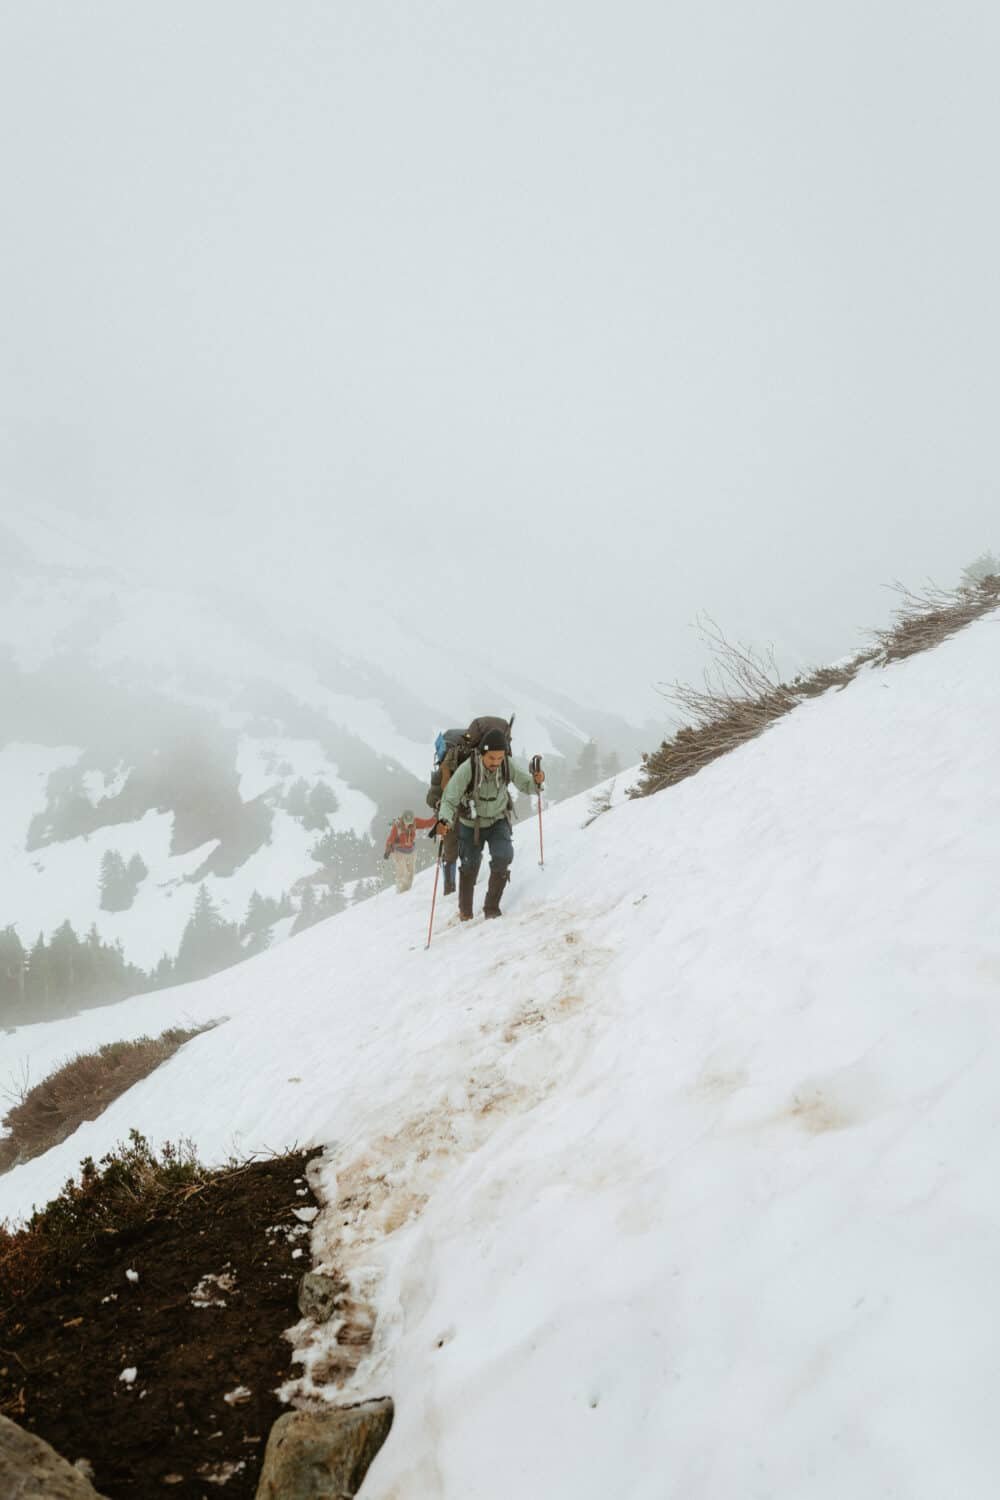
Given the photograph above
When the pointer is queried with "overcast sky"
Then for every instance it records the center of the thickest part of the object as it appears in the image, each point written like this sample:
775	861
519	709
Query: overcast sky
555	319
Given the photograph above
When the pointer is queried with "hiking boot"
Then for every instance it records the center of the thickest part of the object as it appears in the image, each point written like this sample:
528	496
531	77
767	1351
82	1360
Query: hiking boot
498	879
466	886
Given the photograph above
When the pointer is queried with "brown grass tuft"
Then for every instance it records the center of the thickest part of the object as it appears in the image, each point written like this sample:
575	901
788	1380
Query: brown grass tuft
925	618
743	692
81	1090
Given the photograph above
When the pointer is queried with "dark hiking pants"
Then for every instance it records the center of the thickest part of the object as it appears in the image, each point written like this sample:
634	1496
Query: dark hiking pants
497	836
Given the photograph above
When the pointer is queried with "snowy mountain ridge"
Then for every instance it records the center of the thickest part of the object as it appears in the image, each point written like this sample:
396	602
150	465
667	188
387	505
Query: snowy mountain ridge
678	1181
121	696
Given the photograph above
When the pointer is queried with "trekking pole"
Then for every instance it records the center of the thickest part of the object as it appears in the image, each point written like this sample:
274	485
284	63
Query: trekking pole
434	895
536	765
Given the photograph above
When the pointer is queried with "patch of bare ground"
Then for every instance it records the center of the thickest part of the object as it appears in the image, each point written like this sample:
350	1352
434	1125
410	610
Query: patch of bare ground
142	1319
743	692
48	1113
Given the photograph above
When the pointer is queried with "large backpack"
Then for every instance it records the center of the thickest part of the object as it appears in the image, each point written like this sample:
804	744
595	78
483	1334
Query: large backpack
447	741
453	746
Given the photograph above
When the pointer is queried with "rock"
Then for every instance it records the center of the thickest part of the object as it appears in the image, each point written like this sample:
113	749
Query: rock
318	1295
323	1455
31	1470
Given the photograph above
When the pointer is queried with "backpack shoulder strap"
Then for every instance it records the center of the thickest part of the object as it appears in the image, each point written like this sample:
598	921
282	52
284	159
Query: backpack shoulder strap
473	786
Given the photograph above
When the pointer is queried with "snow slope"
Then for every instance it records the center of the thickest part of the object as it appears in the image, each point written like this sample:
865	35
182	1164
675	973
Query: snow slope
64	877
680	1181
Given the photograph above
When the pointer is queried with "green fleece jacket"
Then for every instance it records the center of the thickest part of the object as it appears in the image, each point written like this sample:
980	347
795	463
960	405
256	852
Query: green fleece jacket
492	796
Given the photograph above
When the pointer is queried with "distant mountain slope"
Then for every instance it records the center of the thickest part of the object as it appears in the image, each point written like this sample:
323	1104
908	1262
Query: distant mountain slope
217	744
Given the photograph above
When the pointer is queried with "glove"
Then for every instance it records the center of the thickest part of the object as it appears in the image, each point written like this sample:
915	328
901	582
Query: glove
442	830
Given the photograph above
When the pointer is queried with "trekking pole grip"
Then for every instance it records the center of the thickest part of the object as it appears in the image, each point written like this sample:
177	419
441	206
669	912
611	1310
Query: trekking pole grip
536	766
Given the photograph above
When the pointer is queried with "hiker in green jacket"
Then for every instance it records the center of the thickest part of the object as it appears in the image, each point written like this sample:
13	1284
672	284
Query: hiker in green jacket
477	796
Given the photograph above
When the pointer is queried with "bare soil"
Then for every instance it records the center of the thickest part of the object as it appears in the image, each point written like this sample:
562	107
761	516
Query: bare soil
64	1346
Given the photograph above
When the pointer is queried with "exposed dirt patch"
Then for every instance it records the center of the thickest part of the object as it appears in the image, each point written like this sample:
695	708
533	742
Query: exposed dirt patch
216	1288
817	1113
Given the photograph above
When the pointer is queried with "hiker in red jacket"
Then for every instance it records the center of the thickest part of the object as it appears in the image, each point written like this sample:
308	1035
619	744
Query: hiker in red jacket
400	844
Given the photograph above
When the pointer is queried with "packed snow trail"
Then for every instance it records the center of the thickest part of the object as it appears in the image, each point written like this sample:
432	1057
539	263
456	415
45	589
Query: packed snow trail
680	1180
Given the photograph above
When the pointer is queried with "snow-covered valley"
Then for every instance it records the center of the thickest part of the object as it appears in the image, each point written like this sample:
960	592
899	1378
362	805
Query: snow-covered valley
680	1180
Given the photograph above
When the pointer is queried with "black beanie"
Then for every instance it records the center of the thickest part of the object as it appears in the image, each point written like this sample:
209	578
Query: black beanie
493	739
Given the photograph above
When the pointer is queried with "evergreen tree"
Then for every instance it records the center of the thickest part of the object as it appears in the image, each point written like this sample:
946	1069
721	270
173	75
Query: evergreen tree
36	982
350	856
137	872
308	914
163	975
587	772
13	961
325	850
255	918
64	975
321	802
90	967
117	890
612	766
63	966
68	814
314	907
257	942
208	943
297	800
263	912
364	888
334	900
99	966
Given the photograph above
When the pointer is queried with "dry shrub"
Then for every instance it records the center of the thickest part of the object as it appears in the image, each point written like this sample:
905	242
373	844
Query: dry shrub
743	692
926	617
131	1186
81	1090
742	695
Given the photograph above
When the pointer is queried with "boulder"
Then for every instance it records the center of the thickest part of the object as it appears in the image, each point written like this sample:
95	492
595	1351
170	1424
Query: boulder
318	1295
323	1455
31	1470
